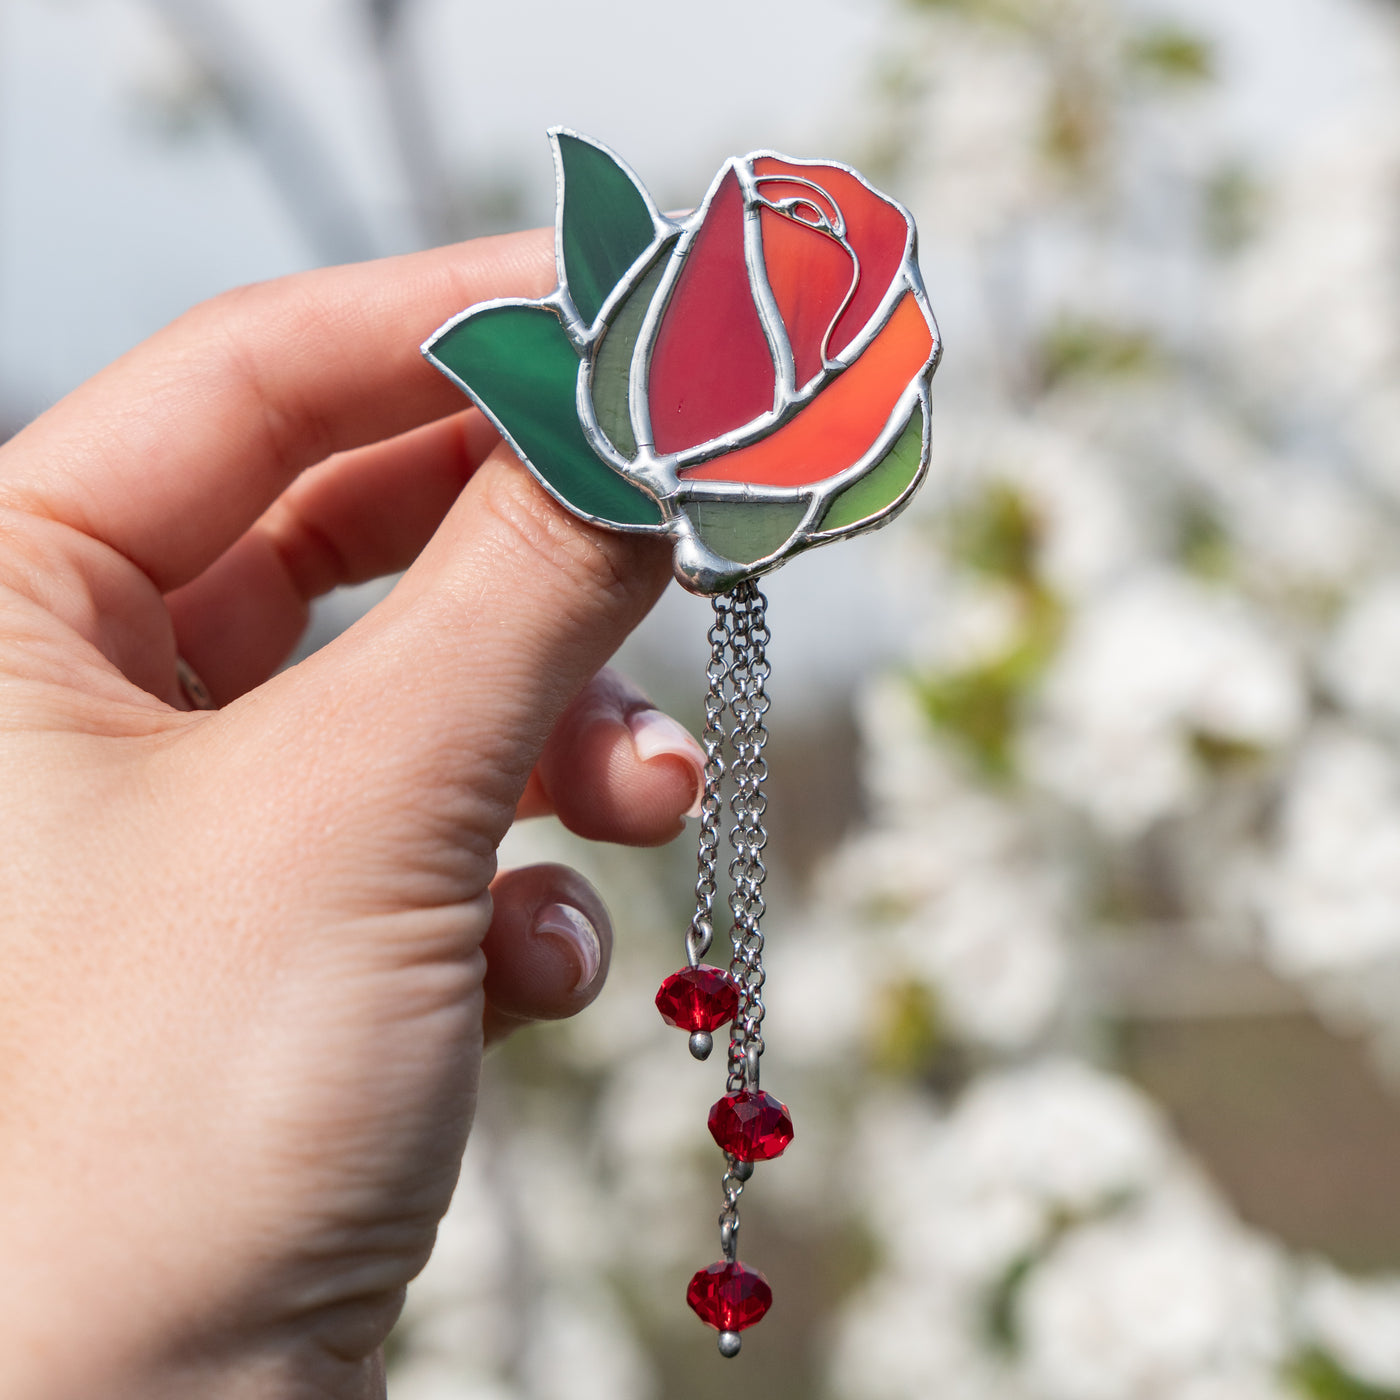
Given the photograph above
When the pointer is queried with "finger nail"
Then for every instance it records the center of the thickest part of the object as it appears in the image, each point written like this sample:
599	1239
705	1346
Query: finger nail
566	922
655	733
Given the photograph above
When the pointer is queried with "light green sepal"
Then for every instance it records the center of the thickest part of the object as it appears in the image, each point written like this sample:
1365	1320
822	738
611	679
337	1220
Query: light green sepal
612	368
745	531
884	484
517	361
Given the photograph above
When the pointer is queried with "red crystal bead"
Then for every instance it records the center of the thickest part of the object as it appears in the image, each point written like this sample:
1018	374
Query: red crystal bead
698	998
729	1297
752	1127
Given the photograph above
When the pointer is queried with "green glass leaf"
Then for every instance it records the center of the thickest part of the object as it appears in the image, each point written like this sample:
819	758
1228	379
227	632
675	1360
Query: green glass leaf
612	368
746	531
606	222
882	486
518	363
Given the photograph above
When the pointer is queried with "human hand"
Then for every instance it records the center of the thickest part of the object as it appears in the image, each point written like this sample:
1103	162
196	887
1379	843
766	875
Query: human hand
248	956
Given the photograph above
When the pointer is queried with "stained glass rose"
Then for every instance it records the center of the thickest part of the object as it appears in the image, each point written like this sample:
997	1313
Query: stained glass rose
752	378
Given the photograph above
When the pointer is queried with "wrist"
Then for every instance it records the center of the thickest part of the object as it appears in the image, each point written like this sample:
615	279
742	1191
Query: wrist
73	1326
64	1363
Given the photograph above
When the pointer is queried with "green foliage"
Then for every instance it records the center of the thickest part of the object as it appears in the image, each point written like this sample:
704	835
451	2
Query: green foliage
997	535
1003	1326
1202	544
888	908
1075	125
980	706
908	1028
1232	207
1172	54
1219	754
1317	1374
1077	347
1001	1309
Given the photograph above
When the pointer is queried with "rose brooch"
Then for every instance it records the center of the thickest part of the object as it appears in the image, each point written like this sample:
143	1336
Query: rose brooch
751	379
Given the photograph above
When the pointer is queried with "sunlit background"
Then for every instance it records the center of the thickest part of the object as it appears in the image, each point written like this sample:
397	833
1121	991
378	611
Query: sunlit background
1085	927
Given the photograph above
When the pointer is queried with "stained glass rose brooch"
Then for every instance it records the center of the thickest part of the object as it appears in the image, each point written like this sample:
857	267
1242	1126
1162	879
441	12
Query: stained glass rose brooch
751	379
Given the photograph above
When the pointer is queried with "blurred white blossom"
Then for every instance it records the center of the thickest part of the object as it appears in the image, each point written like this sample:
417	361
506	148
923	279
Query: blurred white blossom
1148	667
1151	1300
1309	307
993	948
1150	686
1357	1321
897	1341
1362	660
1330	897
1088	533
957	1201
1071	1136
585	1351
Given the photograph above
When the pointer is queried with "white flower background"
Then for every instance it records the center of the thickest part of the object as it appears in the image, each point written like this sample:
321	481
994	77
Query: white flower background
1088	1006
1134	762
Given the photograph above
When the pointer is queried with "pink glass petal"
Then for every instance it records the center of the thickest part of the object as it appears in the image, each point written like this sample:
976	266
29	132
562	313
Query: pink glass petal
711	368
877	231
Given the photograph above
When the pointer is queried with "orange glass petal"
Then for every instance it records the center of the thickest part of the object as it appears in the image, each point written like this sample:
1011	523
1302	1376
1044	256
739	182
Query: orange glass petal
843	422
711	368
810	274
875	228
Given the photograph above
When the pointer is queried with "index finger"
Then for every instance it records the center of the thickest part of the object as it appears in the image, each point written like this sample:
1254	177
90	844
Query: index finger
171	453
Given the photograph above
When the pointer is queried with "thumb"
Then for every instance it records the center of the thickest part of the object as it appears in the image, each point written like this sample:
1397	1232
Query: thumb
407	742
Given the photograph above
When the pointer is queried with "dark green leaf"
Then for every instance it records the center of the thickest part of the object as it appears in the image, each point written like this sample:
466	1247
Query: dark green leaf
606	223
518	363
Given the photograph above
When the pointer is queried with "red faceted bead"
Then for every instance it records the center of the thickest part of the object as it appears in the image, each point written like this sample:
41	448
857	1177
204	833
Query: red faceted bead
729	1297
698	998
751	1126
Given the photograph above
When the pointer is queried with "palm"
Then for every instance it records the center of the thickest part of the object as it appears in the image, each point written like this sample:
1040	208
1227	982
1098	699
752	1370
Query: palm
249	963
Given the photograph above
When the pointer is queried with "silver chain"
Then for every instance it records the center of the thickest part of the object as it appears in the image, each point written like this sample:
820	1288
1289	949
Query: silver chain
701	932
747	836
738	672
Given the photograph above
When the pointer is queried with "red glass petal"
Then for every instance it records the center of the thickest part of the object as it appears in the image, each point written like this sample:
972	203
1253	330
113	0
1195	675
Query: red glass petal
810	274
729	1297
843	422
877	231
754	1127
775	189
711	368
698	998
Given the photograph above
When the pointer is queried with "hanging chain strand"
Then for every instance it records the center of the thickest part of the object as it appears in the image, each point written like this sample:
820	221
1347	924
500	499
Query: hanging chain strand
701	932
748	703
748	804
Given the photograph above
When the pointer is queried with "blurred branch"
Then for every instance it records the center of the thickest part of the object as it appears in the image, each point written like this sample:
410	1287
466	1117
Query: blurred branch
274	123
420	152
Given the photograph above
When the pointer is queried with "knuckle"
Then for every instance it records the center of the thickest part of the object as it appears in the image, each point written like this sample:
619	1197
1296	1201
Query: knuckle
601	570
234	326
